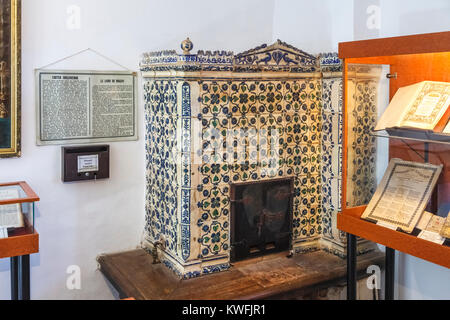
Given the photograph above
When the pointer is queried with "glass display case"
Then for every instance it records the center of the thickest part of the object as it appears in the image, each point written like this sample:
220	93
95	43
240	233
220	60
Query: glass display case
16	210
18	236
374	71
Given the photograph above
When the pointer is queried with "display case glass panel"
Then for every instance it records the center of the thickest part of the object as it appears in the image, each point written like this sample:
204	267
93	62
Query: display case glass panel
367	91
17	210
374	71
370	86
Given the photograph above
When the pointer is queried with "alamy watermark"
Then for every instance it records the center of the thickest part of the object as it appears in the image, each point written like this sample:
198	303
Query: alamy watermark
366	19
374	17
213	144
374	281
73	281
73	21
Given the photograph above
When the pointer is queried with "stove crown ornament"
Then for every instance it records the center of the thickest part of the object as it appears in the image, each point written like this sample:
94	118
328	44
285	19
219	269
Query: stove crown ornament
187	46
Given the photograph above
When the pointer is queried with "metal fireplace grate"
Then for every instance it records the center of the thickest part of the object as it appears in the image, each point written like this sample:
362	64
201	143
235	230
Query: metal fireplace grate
261	218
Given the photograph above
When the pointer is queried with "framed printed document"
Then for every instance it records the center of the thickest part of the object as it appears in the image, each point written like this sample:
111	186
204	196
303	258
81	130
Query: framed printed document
403	194
10	78
85	106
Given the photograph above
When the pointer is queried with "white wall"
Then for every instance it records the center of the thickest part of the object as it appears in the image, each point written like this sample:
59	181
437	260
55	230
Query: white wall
78	221
314	26
404	17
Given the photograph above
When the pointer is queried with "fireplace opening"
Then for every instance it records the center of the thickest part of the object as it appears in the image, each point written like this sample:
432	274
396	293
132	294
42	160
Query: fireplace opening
261	218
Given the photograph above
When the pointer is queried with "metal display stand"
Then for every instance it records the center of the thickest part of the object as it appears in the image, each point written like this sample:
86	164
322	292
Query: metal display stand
20	278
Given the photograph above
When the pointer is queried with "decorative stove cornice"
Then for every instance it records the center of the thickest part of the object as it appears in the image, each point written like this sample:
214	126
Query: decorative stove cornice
277	57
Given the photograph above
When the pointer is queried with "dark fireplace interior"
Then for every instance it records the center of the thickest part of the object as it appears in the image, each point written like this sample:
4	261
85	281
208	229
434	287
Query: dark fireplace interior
261	218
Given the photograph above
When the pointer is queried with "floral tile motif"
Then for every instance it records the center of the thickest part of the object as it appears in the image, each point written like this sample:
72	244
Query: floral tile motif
214	237
296	95
314	89
161	97
215	98
315	221
300	217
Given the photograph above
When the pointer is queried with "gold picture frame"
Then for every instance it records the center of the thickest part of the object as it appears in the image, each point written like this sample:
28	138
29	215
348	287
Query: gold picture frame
10	75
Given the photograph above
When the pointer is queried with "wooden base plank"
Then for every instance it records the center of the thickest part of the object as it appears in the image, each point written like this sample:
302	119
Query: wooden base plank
134	275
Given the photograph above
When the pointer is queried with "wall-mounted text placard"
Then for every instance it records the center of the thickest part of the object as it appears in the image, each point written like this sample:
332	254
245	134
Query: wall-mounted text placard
85	106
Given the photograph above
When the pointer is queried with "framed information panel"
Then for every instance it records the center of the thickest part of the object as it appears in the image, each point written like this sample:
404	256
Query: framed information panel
85	106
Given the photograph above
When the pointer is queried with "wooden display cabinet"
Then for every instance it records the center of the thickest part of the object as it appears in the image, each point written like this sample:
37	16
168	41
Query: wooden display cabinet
21	242
411	59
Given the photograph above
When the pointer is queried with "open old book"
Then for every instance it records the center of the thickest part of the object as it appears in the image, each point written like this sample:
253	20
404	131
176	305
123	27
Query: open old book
10	214
424	106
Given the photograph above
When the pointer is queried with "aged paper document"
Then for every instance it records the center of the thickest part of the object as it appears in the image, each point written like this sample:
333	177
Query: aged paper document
387	225
447	128
403	193
431	236
9	193
433	229
3	233
424	220
445	231
10	214
435	225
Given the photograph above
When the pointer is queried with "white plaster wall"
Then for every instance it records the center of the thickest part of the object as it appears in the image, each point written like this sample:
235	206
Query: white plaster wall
314	26
404	17
78	221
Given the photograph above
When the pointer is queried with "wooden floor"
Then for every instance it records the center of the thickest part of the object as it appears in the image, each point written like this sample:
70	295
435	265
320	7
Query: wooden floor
134	275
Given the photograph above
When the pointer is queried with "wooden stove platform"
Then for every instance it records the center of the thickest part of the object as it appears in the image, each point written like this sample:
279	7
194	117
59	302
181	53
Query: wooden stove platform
133	274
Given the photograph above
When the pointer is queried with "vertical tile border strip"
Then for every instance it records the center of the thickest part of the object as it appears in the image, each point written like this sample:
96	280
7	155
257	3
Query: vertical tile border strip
186	173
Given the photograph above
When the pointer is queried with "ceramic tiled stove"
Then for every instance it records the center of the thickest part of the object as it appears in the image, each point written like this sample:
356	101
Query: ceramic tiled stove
223	132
